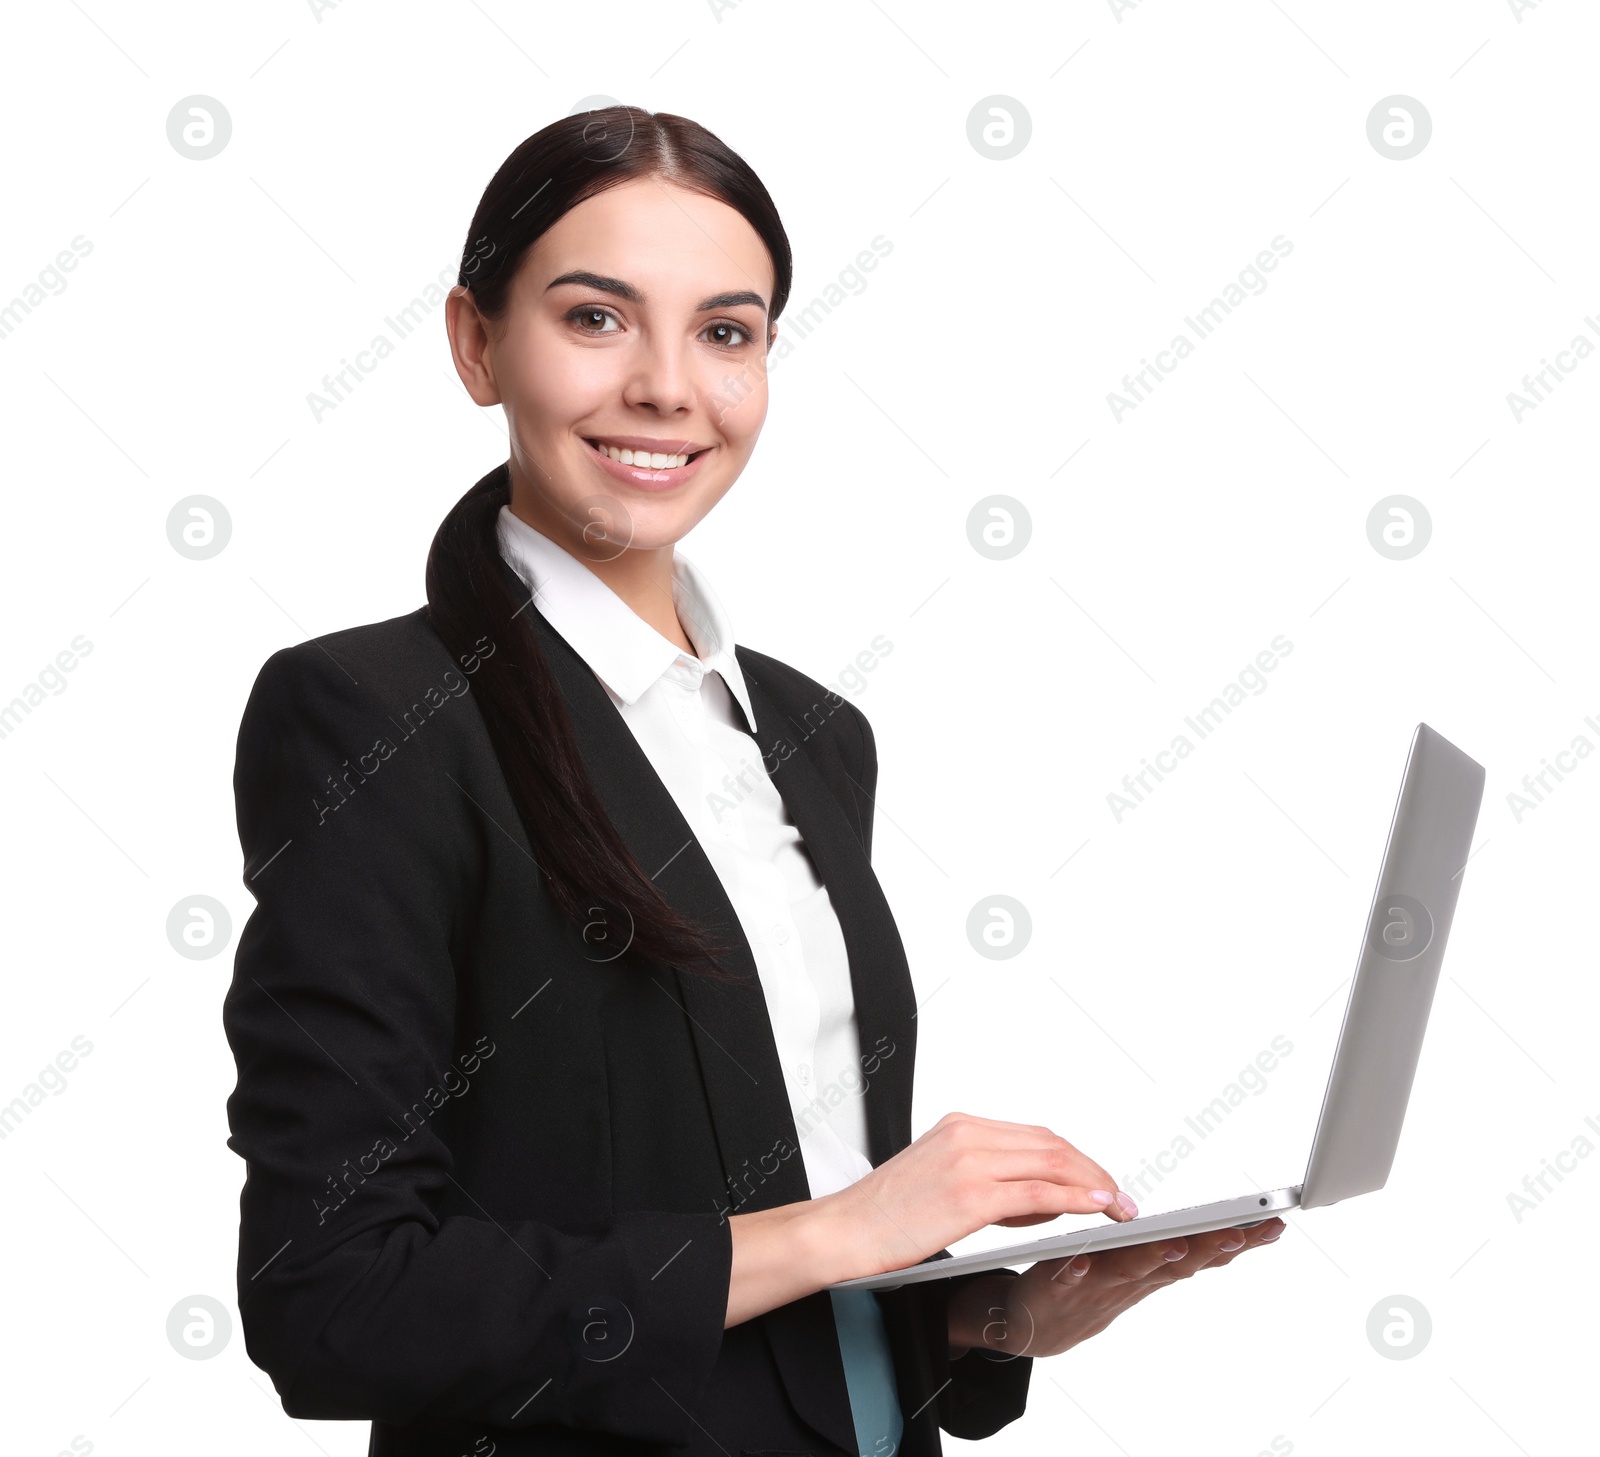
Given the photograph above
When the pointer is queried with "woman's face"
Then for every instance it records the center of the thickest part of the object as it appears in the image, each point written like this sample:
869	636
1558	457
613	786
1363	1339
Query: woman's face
631	364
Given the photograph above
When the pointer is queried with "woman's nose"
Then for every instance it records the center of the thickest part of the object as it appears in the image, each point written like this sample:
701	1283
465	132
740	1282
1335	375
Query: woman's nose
662	380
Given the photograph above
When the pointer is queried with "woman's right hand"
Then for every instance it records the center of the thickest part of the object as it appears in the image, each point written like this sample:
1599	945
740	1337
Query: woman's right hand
962	1174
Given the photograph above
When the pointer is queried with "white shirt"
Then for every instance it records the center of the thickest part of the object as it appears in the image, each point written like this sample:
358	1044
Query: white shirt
681	710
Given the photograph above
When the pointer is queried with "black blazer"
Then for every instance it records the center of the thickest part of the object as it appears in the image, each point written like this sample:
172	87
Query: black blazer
489	1173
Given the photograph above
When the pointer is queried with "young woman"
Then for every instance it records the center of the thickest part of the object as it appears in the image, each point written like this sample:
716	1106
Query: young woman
574	1033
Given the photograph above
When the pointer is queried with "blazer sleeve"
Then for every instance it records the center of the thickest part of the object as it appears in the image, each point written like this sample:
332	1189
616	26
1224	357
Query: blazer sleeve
357	1295
981	1391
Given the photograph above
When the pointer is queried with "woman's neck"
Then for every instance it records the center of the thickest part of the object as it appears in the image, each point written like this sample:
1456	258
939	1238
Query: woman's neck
640	576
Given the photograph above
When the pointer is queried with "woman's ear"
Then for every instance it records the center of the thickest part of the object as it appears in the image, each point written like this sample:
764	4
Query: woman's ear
469	335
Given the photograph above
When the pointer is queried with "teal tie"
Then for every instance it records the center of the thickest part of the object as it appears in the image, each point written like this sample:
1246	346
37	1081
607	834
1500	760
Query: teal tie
868	1372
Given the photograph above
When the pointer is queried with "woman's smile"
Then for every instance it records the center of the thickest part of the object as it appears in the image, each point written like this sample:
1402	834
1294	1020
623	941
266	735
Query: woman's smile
650	464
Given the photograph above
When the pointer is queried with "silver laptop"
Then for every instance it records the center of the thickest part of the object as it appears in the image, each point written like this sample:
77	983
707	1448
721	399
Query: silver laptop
1380	1040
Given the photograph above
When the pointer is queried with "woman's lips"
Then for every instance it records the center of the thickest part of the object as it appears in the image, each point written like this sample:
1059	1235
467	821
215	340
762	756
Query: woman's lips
647	477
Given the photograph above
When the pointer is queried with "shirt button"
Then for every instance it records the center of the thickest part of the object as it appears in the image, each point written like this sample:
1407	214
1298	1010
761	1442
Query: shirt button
804	1072
782	934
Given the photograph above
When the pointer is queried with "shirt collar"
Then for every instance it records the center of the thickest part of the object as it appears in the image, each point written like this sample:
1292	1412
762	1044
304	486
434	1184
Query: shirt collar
622	649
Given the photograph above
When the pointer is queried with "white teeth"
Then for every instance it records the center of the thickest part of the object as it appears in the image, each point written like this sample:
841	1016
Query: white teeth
655	460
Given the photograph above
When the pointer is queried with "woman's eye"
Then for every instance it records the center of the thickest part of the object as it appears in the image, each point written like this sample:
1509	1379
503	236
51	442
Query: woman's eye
595	321
727	336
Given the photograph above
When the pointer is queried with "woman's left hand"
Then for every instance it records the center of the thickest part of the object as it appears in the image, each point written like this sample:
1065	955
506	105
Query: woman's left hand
1055	1304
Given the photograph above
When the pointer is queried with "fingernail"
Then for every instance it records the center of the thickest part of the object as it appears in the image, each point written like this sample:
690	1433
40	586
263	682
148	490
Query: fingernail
1073	1270
1100	1196
1267	1239
1127	1205
1232	1243
1172	1255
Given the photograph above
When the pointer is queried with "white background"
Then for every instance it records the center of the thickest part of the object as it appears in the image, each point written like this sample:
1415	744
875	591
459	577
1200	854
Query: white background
1169	145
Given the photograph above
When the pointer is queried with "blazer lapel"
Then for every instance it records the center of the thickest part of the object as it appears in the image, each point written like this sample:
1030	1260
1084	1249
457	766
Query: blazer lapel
729	1021
879	976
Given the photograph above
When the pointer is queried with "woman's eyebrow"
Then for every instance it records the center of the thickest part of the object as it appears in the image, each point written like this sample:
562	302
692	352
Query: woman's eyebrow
597	281
730	301
623	290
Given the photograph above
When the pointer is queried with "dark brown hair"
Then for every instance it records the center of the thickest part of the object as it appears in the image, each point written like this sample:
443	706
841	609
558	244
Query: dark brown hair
587	866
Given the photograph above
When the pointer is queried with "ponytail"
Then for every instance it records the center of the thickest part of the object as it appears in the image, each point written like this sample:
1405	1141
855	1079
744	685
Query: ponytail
583	860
